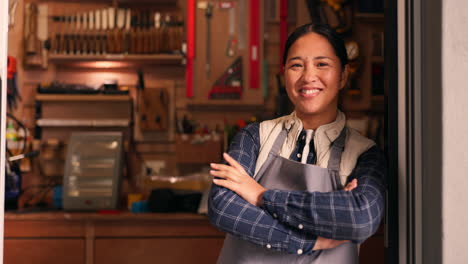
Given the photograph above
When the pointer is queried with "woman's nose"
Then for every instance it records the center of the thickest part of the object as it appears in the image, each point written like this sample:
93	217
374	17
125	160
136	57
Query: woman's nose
309	74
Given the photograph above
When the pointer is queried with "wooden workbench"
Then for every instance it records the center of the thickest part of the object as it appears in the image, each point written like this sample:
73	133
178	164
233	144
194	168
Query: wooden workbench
86	238
81	238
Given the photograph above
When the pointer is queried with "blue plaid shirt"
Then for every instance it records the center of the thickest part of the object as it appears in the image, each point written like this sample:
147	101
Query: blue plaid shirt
290	221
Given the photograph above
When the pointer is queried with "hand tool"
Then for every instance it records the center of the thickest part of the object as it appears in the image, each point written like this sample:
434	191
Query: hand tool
11	12
139	32
110	35
71	35
118	33
229	85
155	33
104	26
232	42
208	16
97	35
84	36
242	24
190	48
128	18
78	34
63	35
33	45
254	44
92	32
42	33
133	29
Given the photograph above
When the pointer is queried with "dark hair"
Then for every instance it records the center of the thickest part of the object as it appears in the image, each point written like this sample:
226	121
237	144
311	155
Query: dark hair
324	30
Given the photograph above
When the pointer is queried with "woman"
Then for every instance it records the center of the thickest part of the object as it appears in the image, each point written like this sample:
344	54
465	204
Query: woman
280	196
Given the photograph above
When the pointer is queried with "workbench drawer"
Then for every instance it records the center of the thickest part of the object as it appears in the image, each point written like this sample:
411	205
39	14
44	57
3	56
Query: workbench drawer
158	250
44	251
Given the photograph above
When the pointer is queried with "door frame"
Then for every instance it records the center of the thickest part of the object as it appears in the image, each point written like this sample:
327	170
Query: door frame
415	183
3	75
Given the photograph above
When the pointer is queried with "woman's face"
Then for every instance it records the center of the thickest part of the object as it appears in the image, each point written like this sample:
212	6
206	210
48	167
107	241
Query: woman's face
313	76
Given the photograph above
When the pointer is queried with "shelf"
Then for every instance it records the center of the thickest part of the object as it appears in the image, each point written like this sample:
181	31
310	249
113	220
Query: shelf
82	97
225	105
156	2
53	122
115	60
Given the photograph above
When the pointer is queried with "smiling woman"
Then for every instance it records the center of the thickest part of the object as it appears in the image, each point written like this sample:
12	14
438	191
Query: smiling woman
302	188
315	71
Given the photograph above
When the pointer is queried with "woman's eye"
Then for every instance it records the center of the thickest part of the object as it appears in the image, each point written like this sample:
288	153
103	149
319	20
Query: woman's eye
296	65
322	64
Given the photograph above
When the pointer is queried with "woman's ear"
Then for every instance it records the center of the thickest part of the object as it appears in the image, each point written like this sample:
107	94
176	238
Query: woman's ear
344	77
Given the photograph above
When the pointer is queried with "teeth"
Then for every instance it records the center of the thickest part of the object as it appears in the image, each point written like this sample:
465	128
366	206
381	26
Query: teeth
310	91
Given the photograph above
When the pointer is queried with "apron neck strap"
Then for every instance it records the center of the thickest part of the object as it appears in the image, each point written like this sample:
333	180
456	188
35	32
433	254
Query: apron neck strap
337	148
279	141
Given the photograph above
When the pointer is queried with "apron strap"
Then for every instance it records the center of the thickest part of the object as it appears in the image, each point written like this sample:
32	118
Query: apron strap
275	149
279	142
336	150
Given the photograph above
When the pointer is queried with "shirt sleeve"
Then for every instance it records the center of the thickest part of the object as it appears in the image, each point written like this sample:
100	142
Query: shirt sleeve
232	214
342	215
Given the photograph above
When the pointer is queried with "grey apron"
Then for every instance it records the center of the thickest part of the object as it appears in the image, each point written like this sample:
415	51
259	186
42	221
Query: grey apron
284	174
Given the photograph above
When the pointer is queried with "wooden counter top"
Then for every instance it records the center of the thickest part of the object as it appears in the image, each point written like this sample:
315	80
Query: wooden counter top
94	216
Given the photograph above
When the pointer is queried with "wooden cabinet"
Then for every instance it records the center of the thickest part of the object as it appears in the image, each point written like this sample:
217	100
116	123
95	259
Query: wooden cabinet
157	250
53	250
88	238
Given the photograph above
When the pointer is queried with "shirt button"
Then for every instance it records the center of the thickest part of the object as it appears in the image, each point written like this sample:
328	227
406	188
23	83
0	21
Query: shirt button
268	246
303	137
299	251
300	226
275	215
299	155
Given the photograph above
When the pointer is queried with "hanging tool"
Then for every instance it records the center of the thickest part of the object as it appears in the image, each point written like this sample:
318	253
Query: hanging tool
118	33
254	44
232	41
84	36
97	34
71	35
11	12
190	48
33	45
229	85
78	32
42	31
128	17
242	24
104	26
110	33
92	31
208	16
13	95
156	33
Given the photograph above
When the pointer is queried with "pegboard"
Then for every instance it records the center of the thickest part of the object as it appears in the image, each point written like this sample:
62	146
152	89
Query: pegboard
219	60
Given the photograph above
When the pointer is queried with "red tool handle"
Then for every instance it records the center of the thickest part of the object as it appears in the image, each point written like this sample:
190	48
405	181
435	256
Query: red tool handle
190	47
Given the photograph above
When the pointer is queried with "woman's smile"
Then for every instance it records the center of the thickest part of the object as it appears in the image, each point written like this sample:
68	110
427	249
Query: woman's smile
309	92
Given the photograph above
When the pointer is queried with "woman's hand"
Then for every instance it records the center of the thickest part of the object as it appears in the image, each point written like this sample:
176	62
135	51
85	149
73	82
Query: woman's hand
325	243
234	177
